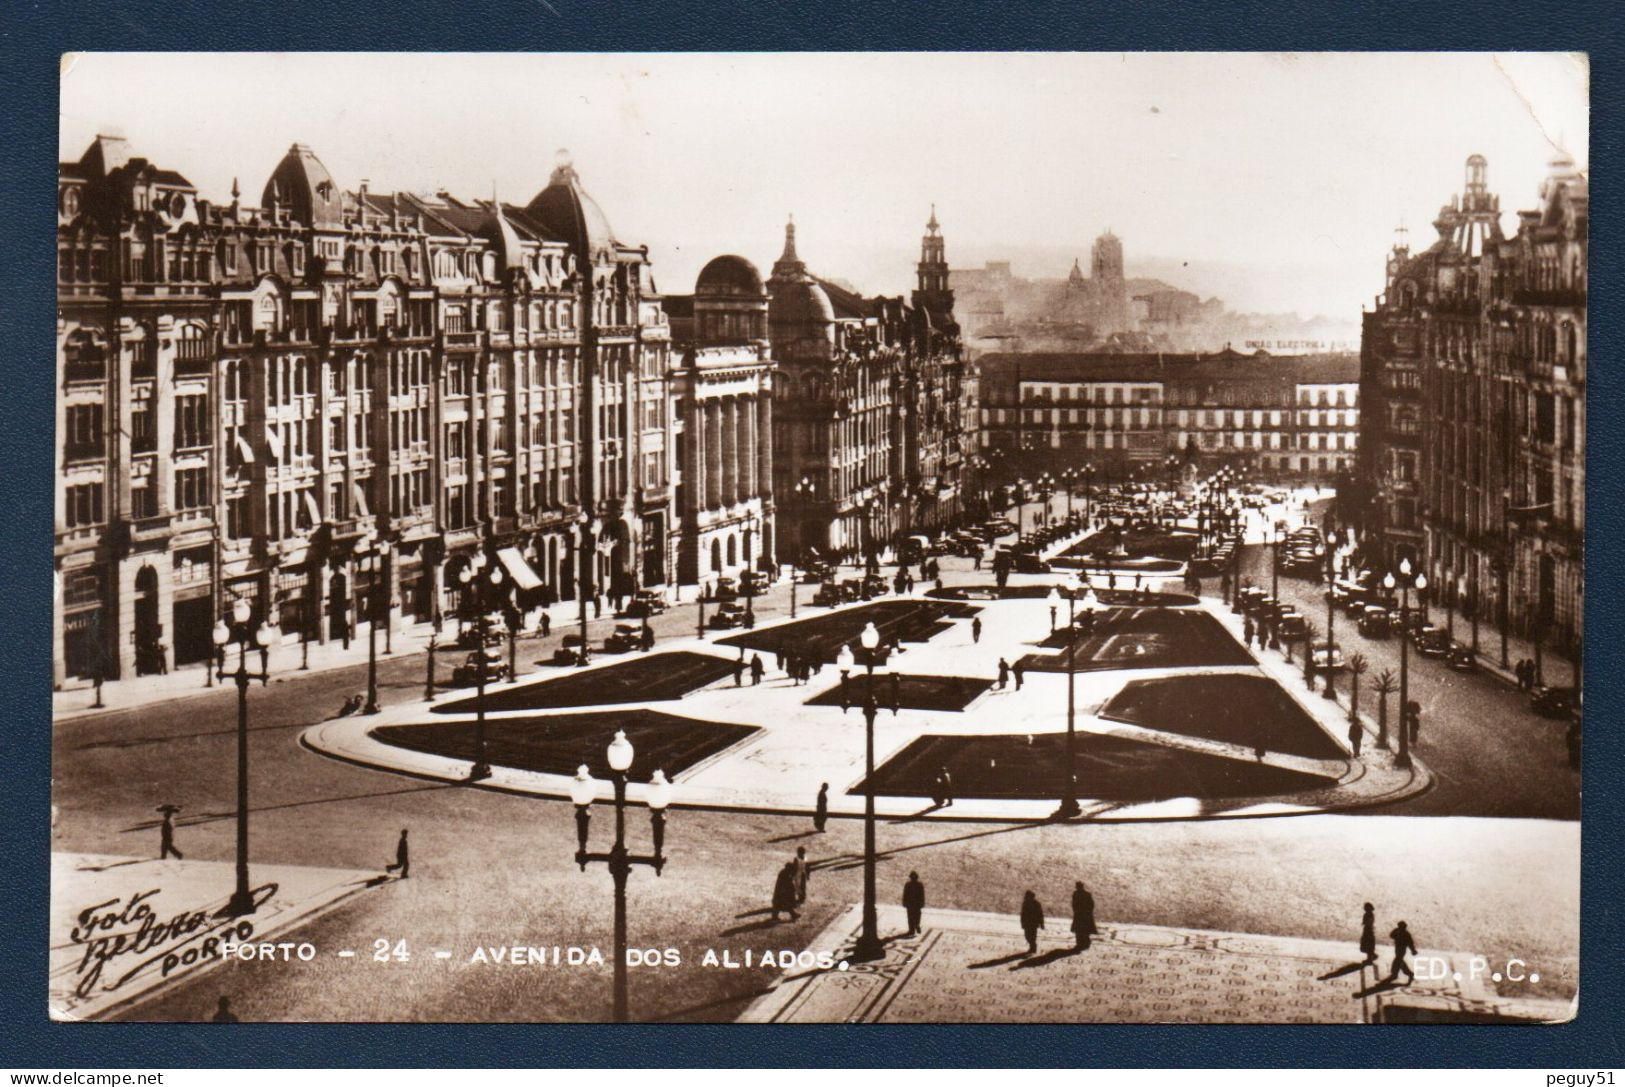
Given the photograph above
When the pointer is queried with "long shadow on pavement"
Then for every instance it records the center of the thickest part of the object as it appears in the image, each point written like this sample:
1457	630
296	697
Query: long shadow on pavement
217	816
1048	957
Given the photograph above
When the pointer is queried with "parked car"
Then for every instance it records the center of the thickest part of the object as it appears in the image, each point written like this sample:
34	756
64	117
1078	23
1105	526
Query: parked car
649	601
469	636
1559	702
624	638
572	650
1461	658
1374	622
1431	641
817	573
753	582
828	595
468	673
728	615
1328	658
1000	527
1292	625
727	589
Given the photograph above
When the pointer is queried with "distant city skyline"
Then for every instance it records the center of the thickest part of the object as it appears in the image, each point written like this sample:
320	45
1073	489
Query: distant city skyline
1291	169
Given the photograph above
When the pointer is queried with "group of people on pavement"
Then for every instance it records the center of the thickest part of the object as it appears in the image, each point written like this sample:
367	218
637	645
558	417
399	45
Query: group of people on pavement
1083	918
1404	944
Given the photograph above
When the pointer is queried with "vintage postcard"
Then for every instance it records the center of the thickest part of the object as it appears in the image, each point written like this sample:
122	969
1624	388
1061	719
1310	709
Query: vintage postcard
967	538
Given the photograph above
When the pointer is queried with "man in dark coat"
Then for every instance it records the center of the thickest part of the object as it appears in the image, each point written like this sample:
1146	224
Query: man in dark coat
1083	916
1368	933
1356	734
756	669
1032	919
821	808
403	858
1019	672
1004	673
547	624
166	835
803	871
914	902
1403	945
784	891
976	629
739	670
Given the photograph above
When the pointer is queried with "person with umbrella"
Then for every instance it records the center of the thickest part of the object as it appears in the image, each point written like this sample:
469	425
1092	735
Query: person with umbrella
166	832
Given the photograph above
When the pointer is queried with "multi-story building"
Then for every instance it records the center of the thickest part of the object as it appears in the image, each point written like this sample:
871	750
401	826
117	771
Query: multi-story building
1288	419
1473	363
322	405
722	396
869	433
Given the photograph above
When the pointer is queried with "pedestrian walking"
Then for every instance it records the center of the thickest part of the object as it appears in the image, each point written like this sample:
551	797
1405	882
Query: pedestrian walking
1413	715
648	638
1247	631
166	834
739	670
976	559
222	1012
1403	945
403	857
756	670
1356	735
1020	672
1368	933
913	902
351	704
547	624
1083	916
784	891
821	808
1032	919
947	785
1004	673
803	870
975	629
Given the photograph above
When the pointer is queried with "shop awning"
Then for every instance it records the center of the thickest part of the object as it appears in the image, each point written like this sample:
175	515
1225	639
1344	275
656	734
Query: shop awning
518	568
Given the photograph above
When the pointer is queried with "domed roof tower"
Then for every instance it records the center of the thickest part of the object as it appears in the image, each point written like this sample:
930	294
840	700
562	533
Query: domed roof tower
730	302
801	321
302	184
566	211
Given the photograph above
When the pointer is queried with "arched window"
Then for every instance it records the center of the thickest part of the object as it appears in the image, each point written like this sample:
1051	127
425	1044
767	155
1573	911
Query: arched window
716	556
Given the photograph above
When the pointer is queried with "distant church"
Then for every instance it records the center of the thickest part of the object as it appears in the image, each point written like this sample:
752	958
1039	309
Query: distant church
1101	300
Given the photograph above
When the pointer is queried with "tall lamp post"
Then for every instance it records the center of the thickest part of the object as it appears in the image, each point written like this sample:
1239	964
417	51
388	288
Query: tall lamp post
1330	692
242	634
367	554
585	575
868	947
657	795
1406	583
1070	808
1275	581
478	575
804	497
1089	492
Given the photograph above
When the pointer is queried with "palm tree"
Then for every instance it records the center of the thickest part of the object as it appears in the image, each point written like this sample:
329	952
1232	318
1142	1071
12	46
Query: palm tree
1358	666
1386	684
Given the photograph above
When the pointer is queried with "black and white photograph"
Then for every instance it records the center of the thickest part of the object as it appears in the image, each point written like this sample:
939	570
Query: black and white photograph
1053	538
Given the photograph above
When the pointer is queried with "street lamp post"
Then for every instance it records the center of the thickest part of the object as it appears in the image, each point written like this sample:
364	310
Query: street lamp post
657	795
369	557
477	574
1070	808
1331	615
699	627
585	576
428	672
1054	602
1406	582
1275	582
869	947
242	898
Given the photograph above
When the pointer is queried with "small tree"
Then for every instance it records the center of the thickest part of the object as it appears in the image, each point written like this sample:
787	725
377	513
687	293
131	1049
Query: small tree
1386	684
1358	666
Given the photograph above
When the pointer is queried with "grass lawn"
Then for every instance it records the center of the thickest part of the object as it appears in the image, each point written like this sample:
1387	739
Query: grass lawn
821	637
1251	711
1138	543
646	678
1146	638
558	744
948	693
1034	768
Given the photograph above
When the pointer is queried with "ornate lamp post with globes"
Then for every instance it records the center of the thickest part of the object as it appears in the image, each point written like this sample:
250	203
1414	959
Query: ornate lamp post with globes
1406	583
869	946
483	578
1070	809
657	795
241	633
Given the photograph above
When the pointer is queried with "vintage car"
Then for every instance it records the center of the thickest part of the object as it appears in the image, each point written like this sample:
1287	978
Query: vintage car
1374	621
468	673
469	636
1292	625
1430	641
1461	658
1559	702
1328	658
828	595
624	638
572	650
644	603
728	615
753	582
726	589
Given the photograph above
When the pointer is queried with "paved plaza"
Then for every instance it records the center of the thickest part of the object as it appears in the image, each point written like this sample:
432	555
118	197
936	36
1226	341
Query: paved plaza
769	746
1131	973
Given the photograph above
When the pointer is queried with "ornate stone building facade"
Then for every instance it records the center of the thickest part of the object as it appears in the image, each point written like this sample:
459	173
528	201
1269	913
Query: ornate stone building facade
323	404
1473	363
869	435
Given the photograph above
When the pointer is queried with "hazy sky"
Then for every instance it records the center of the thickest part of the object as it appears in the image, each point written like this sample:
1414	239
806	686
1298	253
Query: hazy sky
1289	170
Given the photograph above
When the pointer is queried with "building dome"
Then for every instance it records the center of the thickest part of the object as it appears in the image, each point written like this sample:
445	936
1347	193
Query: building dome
302	184
566	211
800	302
730	275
